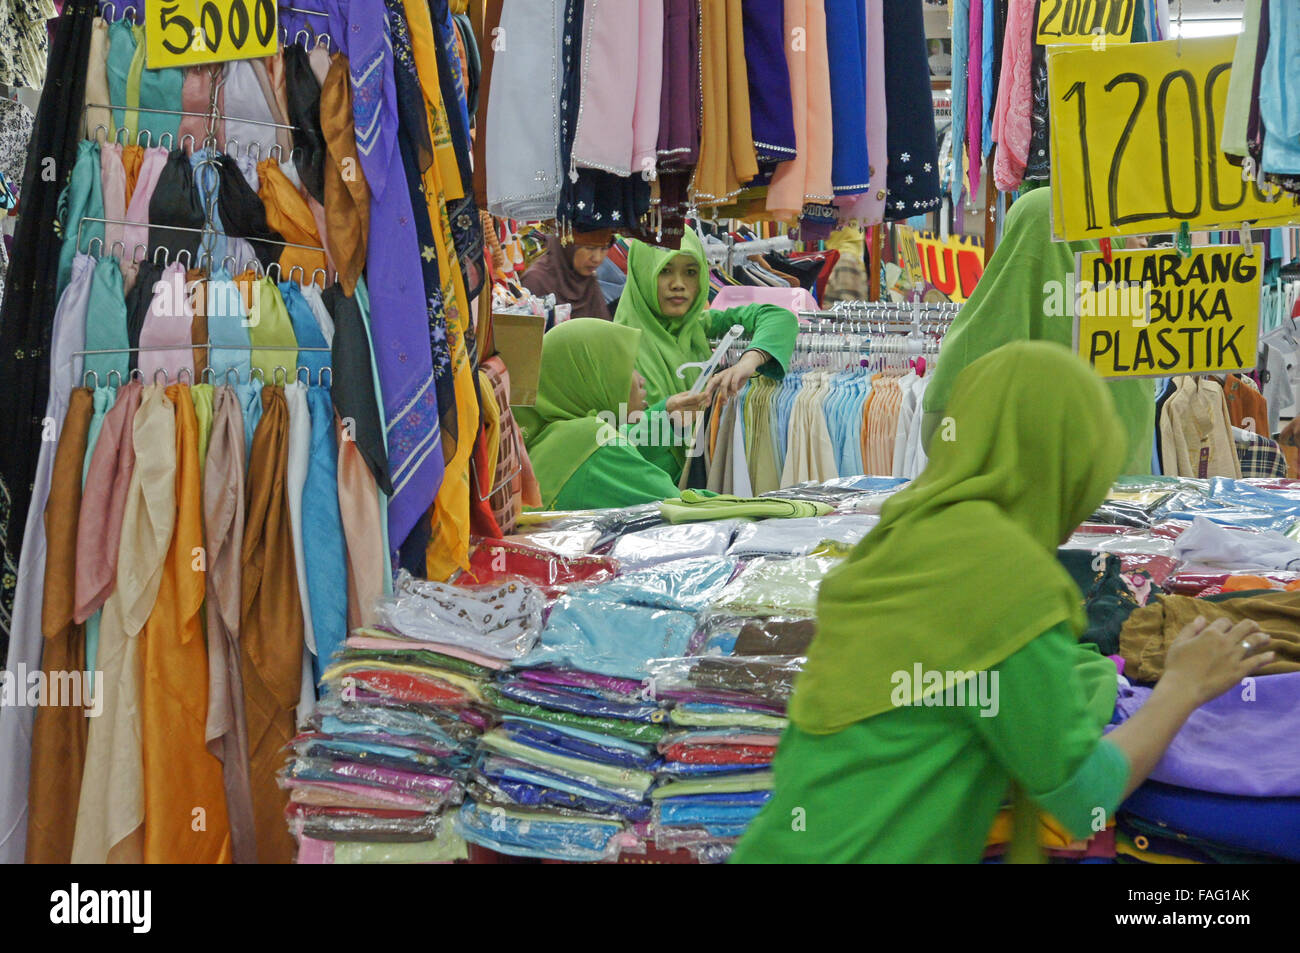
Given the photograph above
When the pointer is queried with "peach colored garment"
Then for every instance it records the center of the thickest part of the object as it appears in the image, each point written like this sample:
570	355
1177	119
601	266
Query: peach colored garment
97	84
806	178
59	732
110	812
103	504
196	96
112	183
168	326
359	509
223	524
184	801
271	627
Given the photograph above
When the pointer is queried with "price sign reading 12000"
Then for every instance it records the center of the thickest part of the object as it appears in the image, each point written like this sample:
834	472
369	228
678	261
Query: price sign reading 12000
1135	142
190	32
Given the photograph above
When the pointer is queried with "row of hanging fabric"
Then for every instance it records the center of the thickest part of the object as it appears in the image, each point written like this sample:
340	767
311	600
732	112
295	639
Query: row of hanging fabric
213	504
813	112
849	405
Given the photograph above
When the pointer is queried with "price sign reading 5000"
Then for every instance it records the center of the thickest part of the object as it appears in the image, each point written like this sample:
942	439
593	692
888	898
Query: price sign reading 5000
1135	148
190	32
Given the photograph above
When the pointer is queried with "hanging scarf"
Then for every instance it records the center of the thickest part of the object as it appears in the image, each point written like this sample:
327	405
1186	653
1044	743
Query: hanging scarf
586	369
347	198
554	273
665	344
270	624
304	96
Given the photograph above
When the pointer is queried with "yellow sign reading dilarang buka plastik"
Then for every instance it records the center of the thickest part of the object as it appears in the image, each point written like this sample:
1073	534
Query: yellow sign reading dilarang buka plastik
1154	313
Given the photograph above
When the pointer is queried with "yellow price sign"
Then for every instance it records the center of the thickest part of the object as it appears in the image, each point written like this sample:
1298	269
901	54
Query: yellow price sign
1085	21
1135	142
909	256
1154	313
192	32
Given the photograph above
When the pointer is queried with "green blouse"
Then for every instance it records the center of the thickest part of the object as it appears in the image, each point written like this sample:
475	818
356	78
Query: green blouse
615	475
923	785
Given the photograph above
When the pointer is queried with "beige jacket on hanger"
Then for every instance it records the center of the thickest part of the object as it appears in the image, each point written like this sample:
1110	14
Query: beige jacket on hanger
1195	432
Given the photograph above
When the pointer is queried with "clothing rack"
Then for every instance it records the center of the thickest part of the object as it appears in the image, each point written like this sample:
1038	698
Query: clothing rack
254	372
725	253
184	251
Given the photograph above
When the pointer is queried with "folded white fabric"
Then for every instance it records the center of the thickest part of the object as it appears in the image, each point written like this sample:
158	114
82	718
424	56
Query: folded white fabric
674	541
502	621
799	537
1209	544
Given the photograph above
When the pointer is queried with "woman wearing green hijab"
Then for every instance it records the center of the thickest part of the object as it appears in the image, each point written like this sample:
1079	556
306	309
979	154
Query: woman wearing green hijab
581	460
666	298
885	760
1024	295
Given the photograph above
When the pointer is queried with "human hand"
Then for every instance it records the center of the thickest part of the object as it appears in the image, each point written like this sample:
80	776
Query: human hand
1206	660
686	401
729	382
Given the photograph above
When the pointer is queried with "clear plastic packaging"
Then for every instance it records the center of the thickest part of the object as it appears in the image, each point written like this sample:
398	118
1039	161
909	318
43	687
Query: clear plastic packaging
447	847
503	620
609	638
548	836
568	543
799	537
433	788
629	784
687	585
498	562
725	680
777	586
666	543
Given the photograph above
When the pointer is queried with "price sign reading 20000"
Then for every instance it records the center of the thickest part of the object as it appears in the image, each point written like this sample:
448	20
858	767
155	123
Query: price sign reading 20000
1136	133
190	32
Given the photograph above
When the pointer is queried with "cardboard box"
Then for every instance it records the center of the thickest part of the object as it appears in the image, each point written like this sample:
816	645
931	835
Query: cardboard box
518	339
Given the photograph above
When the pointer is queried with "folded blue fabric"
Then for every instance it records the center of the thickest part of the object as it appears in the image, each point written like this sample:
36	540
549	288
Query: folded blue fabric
609	638
734	799
688	585
500	768
537	836
534	795
545	738
1269	825
674	814
578	701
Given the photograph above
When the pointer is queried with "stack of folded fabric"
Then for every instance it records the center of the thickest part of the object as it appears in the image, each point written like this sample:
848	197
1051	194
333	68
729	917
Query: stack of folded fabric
729	700
393	738
1228	788
567	773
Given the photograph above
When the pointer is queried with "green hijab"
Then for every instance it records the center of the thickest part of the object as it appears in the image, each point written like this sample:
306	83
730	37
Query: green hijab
961	571
586	369
666	344
1026	294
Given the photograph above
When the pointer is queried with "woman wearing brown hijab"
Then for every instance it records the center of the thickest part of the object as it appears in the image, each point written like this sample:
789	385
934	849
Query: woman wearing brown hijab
569	273
270	626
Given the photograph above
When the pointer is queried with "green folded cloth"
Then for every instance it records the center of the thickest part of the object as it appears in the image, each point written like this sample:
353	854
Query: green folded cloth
731	784
643	731
696	506
607	774
776	585
728	719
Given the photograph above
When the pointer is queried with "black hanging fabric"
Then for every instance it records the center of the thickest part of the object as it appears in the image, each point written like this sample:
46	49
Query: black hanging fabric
242	212
138	300
27	316
352	382
176	201
304	113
